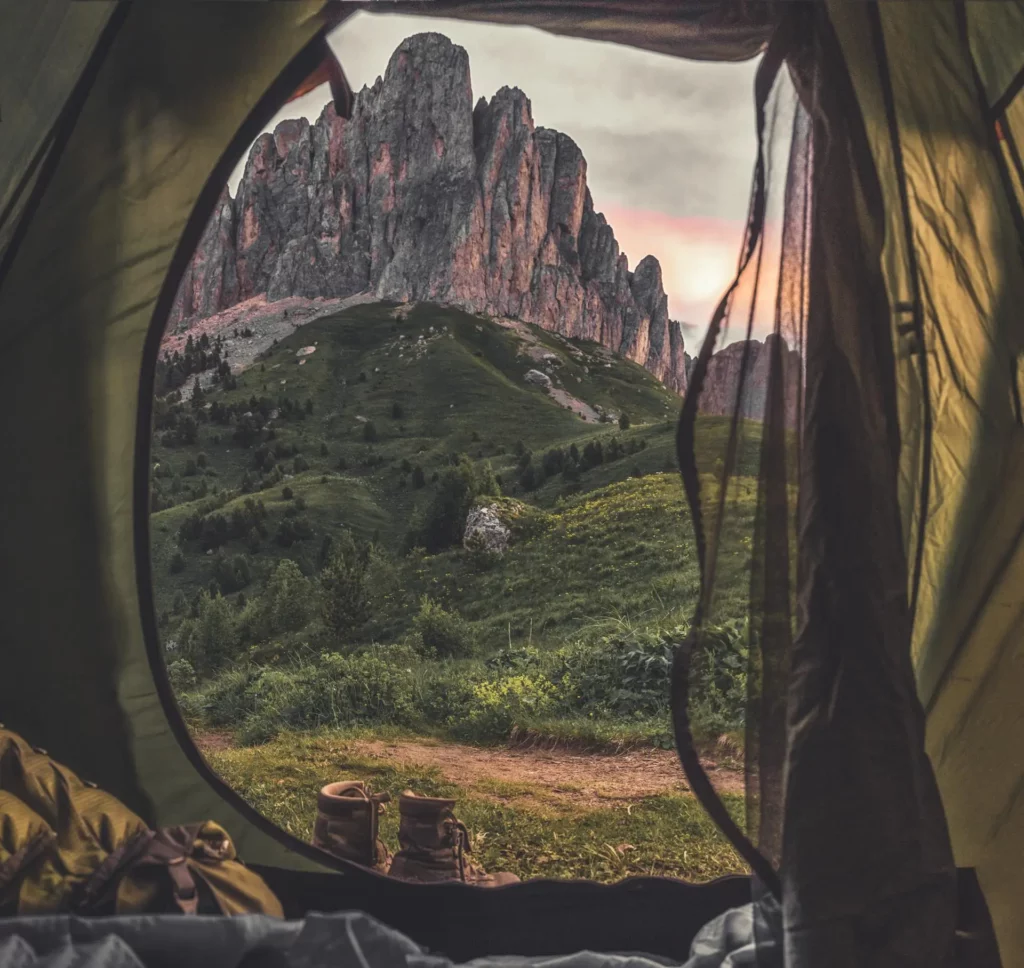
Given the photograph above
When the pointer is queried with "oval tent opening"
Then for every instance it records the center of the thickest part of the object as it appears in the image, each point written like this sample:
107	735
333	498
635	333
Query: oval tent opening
415	515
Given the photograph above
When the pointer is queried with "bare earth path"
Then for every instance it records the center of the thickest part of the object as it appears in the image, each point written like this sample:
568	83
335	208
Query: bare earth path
580	779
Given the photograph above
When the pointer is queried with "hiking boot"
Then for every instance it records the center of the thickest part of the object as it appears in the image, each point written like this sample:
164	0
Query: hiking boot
347	823
435	845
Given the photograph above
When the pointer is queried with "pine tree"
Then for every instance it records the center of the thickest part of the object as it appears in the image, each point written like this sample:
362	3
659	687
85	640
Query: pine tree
344	603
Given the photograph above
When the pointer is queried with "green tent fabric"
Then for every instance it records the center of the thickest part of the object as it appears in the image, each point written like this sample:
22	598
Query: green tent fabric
76	306
120	122
957	378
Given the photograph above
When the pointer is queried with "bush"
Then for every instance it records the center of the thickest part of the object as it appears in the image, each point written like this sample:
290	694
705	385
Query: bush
718	680
442	522
498	706
286	493
292	529
370	432
177	563
231	575
443	633
623	421
344	603
396	411
286	605
181	675
212	638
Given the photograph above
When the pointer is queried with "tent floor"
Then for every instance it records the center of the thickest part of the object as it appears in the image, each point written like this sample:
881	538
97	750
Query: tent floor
657	916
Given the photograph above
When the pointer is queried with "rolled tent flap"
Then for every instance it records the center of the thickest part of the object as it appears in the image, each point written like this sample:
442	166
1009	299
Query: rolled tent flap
720	30
77	309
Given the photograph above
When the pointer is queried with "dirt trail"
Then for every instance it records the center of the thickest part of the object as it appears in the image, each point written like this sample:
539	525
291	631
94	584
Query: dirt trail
555	775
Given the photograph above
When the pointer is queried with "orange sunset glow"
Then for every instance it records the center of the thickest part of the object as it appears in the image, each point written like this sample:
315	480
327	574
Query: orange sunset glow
698	257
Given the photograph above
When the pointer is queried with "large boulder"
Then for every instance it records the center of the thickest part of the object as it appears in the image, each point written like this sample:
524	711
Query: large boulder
485	531
538	378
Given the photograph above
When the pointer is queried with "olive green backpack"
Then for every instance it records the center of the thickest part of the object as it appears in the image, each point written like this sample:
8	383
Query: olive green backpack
67	846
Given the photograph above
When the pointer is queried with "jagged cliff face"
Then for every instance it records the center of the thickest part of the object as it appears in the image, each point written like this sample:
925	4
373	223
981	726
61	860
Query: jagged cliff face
423	196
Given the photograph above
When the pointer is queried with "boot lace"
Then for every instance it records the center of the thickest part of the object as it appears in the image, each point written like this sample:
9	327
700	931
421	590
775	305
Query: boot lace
460	835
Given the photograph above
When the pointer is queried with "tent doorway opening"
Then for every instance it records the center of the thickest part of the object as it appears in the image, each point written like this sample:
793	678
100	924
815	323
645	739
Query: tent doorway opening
416	516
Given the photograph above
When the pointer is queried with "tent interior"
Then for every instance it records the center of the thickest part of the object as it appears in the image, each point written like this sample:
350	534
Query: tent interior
887	599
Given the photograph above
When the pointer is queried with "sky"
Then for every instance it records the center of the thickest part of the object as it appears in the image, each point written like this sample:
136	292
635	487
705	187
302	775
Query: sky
670	144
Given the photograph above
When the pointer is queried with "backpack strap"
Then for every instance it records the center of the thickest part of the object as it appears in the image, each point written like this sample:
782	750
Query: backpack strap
22	859
168	848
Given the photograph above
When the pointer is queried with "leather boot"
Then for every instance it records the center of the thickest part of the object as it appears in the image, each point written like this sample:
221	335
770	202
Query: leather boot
347	824
435	845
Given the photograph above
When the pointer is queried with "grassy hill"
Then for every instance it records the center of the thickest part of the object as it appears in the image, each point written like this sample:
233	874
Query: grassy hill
355	437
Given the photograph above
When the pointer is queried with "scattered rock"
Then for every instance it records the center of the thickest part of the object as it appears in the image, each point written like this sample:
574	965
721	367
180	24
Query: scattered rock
538	378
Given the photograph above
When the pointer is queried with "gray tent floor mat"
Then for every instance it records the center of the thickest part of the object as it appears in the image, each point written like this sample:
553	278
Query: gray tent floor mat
350	939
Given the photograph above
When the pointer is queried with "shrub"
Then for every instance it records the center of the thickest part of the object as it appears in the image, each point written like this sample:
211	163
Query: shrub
177	563
286	493
442	522
213	636
288	602
445	694
443	633
291	529
498	706
623	421
344	603
718	680
231	575
396	411
418	477
181	675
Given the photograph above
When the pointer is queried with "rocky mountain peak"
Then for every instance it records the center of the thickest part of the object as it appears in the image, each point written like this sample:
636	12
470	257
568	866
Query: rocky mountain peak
423	195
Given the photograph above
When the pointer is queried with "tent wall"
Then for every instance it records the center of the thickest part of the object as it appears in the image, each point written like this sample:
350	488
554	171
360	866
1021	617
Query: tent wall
75	312
44	48
956	286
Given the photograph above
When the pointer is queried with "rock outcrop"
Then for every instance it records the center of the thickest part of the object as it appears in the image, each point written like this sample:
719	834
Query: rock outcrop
722	382
485	531
423	196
